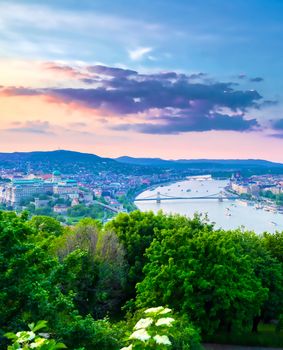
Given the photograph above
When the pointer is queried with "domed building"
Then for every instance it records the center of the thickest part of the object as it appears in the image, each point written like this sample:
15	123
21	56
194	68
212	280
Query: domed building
56	176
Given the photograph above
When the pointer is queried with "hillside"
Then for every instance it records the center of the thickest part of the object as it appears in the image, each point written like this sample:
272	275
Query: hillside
65	161
208	164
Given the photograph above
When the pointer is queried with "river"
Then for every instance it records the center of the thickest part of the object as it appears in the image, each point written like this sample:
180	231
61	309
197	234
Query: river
229	214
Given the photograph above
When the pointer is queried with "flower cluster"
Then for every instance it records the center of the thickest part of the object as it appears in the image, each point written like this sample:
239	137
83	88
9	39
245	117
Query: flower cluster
26	340
152	332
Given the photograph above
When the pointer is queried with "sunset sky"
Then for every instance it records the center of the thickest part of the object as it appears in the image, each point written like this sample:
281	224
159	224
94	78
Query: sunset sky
160	78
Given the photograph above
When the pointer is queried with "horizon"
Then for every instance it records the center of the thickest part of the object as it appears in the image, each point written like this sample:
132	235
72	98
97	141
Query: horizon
142	157
160	80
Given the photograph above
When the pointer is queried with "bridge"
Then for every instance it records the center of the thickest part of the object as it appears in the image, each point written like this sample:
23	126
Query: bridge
106	206
165	197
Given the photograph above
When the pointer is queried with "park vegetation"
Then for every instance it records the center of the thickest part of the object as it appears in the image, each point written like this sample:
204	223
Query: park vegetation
93	284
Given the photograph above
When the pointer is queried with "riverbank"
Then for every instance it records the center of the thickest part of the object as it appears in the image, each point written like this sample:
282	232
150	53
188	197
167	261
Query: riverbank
226	214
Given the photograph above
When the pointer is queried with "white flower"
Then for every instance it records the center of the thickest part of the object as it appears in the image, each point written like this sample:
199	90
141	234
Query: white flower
165	321
38	343
162	339
140	334
143	323
127	347
154	310
25	336
165	311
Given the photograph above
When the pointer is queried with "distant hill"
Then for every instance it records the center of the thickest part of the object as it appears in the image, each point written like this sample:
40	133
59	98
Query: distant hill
65	161
74	162
59	155
221	164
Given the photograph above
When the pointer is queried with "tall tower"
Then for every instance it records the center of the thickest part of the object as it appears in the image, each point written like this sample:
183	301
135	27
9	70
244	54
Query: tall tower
158	199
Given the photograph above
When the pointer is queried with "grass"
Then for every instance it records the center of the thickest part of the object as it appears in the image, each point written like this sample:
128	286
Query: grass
266	337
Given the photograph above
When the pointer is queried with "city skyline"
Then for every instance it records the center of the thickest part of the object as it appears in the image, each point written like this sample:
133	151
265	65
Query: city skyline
169	80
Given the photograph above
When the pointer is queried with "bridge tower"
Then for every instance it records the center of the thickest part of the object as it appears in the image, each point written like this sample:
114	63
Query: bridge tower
221	195
158	199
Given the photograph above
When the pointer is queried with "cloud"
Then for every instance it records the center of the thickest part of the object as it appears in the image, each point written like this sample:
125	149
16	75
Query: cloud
256	80
191	121
139	53
32	127
44	128
77	125
111	71
68	71
277	124
165	102
277	136
50	30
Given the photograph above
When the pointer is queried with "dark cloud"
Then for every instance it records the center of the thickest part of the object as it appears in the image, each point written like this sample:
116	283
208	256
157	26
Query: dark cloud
197	76
183	103
277	136
242	76
268	103
277	124
89	80
187	123
256	80
19	91
111	71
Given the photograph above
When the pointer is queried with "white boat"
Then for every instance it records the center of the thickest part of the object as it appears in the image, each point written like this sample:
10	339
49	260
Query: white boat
241	202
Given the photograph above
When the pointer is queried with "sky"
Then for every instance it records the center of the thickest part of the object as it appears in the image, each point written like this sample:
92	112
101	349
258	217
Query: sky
160	78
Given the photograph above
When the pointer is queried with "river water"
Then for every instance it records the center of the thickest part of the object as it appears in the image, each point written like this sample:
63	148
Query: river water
229	214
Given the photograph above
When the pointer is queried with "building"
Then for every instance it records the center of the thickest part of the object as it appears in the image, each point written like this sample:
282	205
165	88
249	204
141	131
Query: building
15	192
240	188
66	187
56	176
20	189
41	203
60	209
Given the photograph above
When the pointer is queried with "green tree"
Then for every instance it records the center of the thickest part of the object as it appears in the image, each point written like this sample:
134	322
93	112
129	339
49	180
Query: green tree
105	286
35	285
46	224
274	243
204	273
136	231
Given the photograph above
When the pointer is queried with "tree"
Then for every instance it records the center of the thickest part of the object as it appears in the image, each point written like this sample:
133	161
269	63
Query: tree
102	290
136	231
46	224
36	285
204	273
274	243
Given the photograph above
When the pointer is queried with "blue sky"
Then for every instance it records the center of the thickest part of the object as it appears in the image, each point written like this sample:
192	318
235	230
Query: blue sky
237	42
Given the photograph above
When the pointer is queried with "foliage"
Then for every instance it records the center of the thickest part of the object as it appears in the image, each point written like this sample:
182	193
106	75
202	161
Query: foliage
159	329
36	285
86	333
25	340
102	289
278	198
46	224
136	231
267	336
93	211
207	274
222	282
274	243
